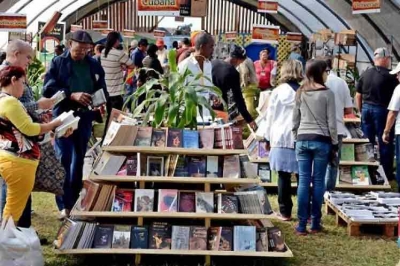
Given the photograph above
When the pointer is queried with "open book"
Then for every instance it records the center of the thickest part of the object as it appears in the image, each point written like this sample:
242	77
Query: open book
68	121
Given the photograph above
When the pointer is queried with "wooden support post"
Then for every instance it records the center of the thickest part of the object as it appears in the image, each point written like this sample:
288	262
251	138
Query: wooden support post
353	229
388	230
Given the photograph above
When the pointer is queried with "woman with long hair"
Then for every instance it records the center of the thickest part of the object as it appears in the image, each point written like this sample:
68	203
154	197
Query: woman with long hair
279	133
315	133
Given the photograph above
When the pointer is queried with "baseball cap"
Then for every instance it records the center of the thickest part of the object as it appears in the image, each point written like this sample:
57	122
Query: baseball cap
396	70
82	37
160	42
381	53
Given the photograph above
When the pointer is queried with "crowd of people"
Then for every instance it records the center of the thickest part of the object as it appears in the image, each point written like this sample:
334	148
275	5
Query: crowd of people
304	121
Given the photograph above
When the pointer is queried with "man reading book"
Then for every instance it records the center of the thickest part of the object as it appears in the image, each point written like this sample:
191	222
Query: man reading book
79	76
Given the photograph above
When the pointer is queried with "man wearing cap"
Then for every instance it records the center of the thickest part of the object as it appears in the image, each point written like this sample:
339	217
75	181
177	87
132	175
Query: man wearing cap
393	115
162	53
374	92
78	76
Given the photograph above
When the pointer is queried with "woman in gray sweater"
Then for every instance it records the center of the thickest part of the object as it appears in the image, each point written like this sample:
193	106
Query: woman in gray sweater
314	130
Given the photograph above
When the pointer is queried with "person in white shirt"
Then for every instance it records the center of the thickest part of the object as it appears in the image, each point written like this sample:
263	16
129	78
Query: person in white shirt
344	106
394	108
162	54
199	62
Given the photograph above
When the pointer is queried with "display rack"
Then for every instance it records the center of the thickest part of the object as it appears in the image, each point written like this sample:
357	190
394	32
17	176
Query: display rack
141	216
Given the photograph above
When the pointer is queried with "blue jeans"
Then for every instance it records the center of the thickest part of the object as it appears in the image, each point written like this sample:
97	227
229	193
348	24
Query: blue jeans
398	161
332	171
313	157
373	124
71	153
3	196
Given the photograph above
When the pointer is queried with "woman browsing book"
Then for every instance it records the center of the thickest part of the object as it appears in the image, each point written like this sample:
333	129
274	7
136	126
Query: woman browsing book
19	152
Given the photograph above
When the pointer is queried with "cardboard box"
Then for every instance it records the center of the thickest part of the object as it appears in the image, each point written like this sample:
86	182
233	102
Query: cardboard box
346	37
344	61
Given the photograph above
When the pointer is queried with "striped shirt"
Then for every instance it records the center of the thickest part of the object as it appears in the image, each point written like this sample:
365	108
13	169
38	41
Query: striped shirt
114	74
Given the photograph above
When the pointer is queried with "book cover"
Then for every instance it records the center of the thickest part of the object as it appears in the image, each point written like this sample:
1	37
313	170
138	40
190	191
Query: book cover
212	166
109	164
132	165
63	232
264	172
187	201
243	159
197	166
219	138
144	200
174	138
231	166
190	139
181	169
87	196
167	200
204	202
214	236
143	137
160	236
360	175
171	166
228	203
206	136
122	201
226	240
139	237
262	239
227	138
244	238
263	151
159	138
155	166
347	152
237	137
180	237
276	240
198	238
98	98
103	236
121	237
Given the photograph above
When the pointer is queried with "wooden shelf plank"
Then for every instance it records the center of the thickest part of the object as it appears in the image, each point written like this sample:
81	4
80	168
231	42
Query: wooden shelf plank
286	254
182	180
180	215
168	150
339	186
353	163
352	120
355	141
259	160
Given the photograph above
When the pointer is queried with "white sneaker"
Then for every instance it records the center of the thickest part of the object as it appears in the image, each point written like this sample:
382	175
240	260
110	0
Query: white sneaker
63	214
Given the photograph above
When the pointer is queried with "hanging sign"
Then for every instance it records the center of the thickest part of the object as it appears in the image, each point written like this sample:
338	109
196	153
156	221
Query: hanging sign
231	36
51	23
294	37
159	33
100	25
158	8
366	6
268	6
128	33
12	22
179	19
75	28
265	34
27	37
193	8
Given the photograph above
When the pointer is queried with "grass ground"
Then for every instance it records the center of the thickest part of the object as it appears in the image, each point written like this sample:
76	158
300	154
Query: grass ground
331	248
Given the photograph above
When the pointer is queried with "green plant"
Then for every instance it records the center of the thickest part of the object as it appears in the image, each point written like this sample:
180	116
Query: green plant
174	99
352	77
35	71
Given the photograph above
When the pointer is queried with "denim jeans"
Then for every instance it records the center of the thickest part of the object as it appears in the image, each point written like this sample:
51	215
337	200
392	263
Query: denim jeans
71	153
313	157
3	194
398	161
332	171
373	124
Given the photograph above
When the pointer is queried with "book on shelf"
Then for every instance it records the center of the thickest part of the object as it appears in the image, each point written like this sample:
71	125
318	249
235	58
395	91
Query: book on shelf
159	138
103	238
237	137
155	166
360	175
86	239
182	169
364	153
244	238
197	166
160	236
345	175
109	164
123	200
143	136
262	240
175	138
231	166
139	237
144	200
63	232
227	203
244	158
347	152
264	172
133	165
204	202
187	201
276	240
220	238
212	166
170	165
121	237
254	202
263	151
68	121
167	200
180	237
105	198
190	139
198	238
206	136
87	196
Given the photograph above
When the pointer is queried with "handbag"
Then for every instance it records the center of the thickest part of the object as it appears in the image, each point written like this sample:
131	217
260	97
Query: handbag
50	174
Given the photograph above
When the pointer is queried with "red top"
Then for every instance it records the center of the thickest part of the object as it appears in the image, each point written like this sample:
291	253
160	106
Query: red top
264	74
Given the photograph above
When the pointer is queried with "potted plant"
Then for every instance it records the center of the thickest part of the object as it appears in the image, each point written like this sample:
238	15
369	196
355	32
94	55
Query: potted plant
173	100
35	71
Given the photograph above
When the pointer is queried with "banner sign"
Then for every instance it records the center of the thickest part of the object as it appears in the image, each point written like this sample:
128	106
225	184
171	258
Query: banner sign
76	28
159	33
193	8
51	23
265	34
268	6
12	22
230	36
100	25
366	6
128	33
158	8
105	32
27	37
294	37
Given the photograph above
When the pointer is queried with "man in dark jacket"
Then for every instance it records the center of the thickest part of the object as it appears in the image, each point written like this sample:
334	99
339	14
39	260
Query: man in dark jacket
79	76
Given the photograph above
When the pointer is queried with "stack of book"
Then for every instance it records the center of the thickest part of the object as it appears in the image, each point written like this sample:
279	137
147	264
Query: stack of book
161	235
